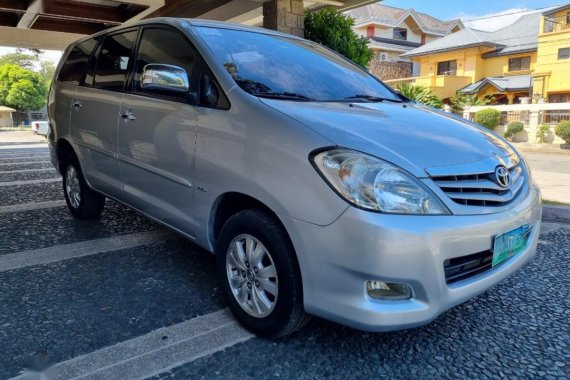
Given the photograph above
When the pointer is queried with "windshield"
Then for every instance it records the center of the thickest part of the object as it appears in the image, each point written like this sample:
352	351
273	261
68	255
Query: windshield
275	66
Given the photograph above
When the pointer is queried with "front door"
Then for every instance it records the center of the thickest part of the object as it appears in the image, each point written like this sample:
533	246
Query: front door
95	112
157	134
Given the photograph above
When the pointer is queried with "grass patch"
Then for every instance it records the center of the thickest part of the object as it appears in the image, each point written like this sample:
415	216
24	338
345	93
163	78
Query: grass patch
555	203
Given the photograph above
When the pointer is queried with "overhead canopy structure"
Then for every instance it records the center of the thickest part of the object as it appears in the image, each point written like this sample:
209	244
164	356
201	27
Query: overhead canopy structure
502	84
54	24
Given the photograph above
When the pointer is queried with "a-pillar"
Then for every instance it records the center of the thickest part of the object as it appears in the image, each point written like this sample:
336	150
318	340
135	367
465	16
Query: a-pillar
285	16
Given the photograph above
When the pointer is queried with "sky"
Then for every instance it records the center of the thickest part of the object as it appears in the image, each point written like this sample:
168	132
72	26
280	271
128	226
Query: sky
48	55
489	10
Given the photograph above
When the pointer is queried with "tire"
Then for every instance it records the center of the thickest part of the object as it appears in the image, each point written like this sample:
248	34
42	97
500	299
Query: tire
88	204
271	248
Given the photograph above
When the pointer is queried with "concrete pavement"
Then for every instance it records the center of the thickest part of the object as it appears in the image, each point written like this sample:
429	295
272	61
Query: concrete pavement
552	173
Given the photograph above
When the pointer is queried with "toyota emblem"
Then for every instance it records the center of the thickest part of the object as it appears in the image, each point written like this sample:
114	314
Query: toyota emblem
502	176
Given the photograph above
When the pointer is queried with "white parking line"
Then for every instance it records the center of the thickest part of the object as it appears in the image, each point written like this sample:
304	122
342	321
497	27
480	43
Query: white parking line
23	152
155	352
10	157
24	146
30	182
30	206
24	163
62	252
27	170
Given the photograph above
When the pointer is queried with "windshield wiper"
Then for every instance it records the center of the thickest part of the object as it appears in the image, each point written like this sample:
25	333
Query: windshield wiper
283	95
372	98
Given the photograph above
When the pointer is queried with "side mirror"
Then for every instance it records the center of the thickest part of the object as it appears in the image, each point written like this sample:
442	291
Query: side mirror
165	78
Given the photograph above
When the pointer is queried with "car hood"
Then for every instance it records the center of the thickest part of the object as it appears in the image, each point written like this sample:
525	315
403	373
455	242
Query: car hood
415	137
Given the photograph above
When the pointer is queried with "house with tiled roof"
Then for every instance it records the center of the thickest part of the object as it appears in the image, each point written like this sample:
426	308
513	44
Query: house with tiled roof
393	31
529	59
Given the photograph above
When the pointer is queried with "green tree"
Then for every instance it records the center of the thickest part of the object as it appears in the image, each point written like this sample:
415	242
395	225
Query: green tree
47	70
334	30
21	88
460	101
26	61
420	94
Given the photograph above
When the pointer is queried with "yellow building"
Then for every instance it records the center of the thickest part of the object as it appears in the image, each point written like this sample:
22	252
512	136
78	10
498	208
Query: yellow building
527	59
551	75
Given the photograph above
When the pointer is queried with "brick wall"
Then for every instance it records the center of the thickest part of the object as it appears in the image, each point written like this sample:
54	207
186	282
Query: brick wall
390	70
285	16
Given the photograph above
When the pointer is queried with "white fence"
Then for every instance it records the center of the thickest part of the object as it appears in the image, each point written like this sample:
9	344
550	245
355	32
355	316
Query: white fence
531	115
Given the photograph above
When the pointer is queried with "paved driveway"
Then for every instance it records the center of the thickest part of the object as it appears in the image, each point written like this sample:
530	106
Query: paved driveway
122	298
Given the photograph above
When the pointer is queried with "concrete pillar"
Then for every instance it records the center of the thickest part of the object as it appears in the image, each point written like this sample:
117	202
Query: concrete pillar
285	16
466	113
510	98
533	122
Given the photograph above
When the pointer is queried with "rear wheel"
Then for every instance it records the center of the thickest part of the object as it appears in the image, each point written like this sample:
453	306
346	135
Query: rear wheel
83	203
260	275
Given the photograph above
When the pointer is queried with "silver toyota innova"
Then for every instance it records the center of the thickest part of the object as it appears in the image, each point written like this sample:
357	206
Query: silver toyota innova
320	190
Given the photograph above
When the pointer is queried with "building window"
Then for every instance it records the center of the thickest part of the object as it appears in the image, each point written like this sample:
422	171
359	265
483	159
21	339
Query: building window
559	98
400	34
370	31
447	68
564	53
519	64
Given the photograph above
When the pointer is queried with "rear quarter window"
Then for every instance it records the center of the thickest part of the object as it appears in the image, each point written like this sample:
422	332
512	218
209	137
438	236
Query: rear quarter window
76	62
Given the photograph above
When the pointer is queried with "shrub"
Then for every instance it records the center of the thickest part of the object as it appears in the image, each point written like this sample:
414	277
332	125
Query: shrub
541	132
488	117
333	29
420	94
563	131
513	128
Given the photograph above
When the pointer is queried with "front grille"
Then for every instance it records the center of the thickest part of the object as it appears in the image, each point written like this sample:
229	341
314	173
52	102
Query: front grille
481	189
462	268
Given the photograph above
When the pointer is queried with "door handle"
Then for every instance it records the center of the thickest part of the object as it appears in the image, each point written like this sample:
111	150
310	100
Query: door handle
128	116
77	105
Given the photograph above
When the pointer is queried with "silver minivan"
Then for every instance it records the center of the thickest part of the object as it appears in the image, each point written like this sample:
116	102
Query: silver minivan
320	190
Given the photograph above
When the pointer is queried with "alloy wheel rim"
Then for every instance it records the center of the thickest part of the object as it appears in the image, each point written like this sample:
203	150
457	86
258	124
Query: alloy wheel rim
252	276
72	186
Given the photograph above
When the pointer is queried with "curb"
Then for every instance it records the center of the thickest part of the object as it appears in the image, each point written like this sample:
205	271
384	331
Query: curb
542	150
552	212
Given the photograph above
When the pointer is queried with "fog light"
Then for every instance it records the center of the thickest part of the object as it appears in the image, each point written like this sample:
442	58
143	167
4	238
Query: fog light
388	291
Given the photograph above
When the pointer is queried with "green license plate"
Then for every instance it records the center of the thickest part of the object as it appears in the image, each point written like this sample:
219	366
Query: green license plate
510	243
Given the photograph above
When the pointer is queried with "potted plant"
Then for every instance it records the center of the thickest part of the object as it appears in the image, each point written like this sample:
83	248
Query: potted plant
563	131
543	134
513	128
489	118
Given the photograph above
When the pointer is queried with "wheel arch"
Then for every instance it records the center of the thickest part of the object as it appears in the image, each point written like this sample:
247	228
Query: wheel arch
64	151
229	204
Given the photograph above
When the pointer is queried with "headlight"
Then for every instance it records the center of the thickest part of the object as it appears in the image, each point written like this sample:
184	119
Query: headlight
372	184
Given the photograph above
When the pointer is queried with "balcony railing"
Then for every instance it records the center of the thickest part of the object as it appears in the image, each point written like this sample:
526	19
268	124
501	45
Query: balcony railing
556	24
555	116
531	115
510	116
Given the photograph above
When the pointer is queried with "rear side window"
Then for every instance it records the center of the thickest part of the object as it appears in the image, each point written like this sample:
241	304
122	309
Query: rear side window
165	47
76	62
113	61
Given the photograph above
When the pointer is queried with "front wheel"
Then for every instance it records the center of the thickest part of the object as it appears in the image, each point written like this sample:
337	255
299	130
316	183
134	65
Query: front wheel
259	274
83	203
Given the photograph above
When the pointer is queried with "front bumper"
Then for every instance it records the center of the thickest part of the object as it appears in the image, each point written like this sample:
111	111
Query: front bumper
337	260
